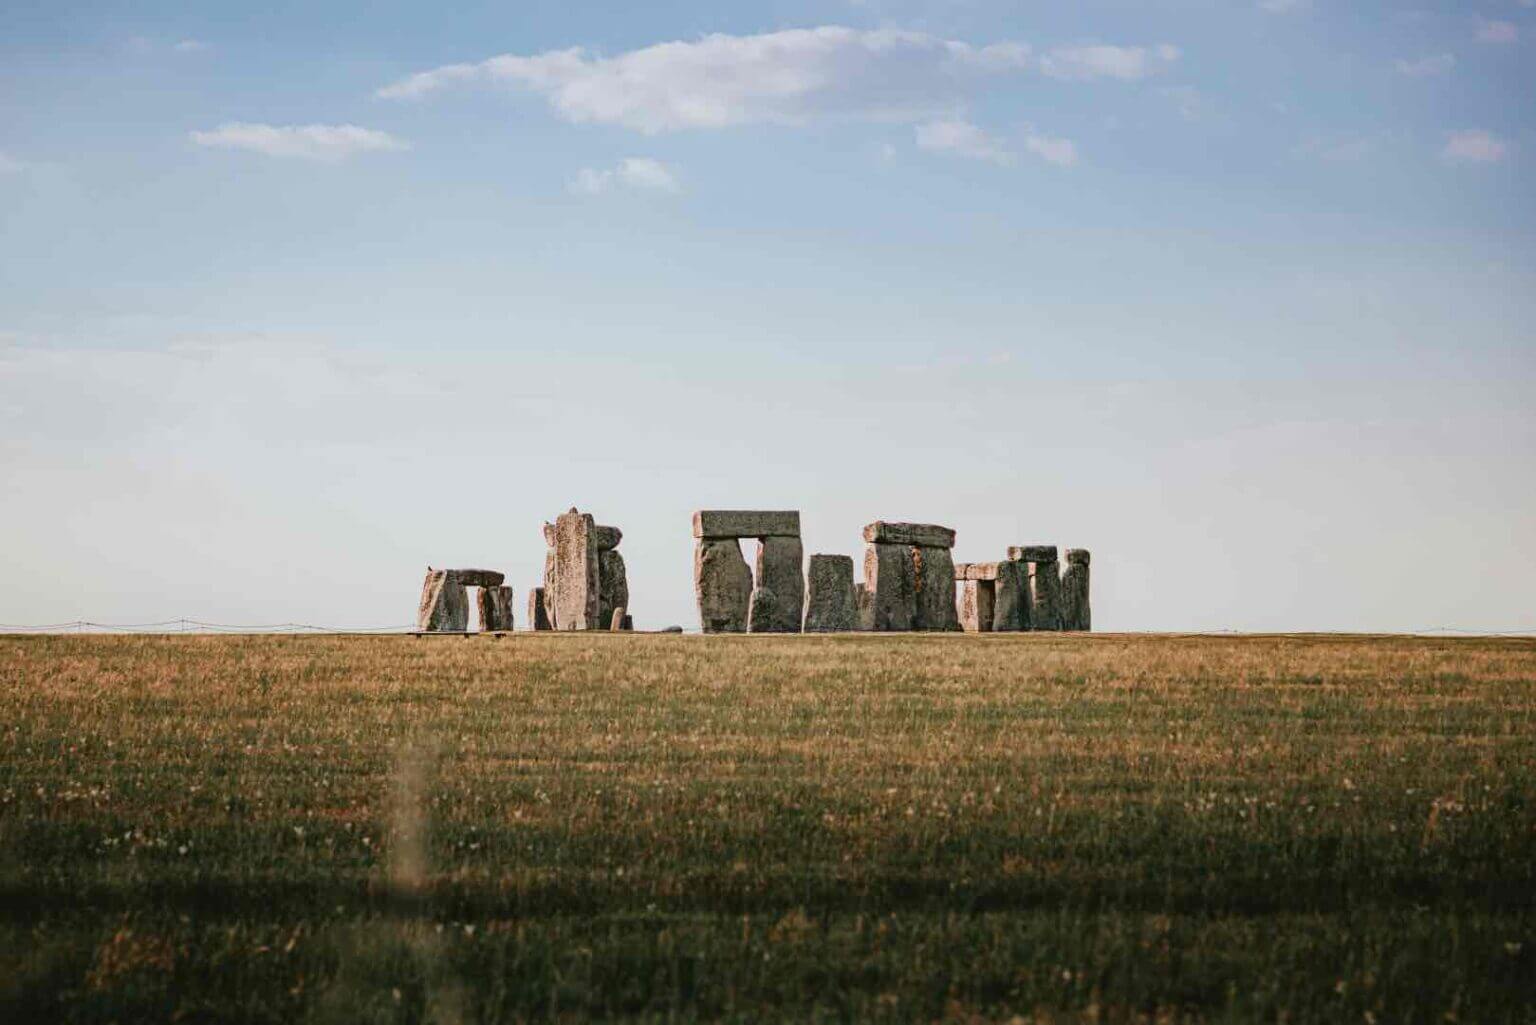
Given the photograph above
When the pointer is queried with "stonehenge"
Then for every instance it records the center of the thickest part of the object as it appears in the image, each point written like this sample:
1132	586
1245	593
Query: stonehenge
731	597
910	582
586	585
444	605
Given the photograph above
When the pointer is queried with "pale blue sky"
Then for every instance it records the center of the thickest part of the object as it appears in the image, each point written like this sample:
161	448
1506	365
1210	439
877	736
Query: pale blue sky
1240	296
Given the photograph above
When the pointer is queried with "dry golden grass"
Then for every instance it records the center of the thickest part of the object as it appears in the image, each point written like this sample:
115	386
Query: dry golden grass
895	827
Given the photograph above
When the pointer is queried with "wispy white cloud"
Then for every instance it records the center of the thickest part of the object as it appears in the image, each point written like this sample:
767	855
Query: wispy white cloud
1126	63
1061	152
637	173
1425	67
1474	146
1489	31
307	142
1283	6
788	77
962	139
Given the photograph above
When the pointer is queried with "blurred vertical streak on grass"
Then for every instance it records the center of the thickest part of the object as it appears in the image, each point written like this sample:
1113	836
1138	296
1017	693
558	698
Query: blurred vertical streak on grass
1053	827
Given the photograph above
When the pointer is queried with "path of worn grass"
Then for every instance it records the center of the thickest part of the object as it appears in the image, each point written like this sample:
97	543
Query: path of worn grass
1058	827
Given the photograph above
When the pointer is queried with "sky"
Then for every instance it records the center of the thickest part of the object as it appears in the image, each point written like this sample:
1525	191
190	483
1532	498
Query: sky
298	299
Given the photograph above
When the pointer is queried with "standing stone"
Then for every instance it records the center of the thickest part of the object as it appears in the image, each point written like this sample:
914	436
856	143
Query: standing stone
977	601
1075	611
1010	606
1044	586
614	584
549	579
831	604
577	583
934	584
781	577
606	537
538	613
495	609
444	603
722	584
864	614
891	579
616	623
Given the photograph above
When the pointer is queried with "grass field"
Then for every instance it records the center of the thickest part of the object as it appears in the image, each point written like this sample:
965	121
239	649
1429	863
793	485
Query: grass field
1053	827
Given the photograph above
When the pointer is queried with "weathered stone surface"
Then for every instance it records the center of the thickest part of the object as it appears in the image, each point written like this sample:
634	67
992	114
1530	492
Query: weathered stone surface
1032	553
722	584
831	604
616	622
549	586
627	623
926	535
978	570
479	577
1044	586
1010	604
495	608
671	630
1075	611
780	573
538	612
549	534
865	609
1077	555
934	575
614	585
718	524
606	537
444	603
891	579
577	594
976	605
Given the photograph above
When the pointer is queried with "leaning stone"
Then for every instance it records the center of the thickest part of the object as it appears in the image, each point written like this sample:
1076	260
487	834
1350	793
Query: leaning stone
1010	606
926	535
934	584
606	537
576	573
538	614
781	573
495	609
891	580
616	623
1044	587
613	584
722	584
976	605
444	604
1032	553
718	524
1075	611
830	602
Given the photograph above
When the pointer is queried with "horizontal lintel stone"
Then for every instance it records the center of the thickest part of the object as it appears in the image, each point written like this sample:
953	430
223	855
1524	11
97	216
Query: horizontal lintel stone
922	535
1078	556
1032	553
477	577
977	570
726	523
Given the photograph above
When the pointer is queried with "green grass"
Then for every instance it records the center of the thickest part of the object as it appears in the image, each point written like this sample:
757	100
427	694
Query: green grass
1048	827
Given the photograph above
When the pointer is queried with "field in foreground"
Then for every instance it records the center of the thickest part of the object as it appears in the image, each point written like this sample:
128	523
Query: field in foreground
1058	828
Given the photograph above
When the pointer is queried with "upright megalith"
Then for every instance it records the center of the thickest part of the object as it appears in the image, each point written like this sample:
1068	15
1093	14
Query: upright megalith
890	582
444	605
1075	611
577	582
614	589
976	601
1042	584
910	577
774	602
538	611
779	573
831	605
1010	605
722	583
495	608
